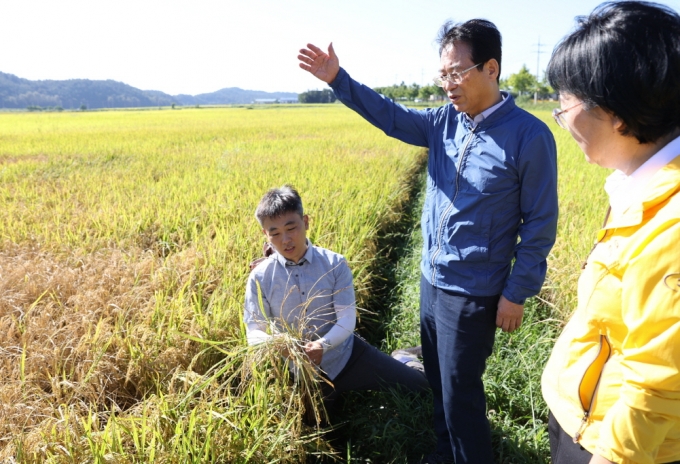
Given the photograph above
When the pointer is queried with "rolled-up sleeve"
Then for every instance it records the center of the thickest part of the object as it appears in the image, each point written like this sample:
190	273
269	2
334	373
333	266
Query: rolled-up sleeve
344	304
256	312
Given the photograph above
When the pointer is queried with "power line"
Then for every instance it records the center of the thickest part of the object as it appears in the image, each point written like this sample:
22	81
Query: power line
538	52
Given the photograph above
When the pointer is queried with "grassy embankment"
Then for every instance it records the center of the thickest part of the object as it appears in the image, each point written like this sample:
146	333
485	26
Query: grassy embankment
124	243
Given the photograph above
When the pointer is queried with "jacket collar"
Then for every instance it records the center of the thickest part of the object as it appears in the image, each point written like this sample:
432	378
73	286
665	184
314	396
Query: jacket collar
507	106
663	184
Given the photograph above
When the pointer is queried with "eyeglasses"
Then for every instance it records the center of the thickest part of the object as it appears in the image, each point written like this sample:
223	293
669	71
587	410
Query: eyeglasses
558	114
454	78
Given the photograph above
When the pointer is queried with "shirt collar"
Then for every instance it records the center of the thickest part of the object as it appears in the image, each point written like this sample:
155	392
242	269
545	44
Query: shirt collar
487	112
306	257
624	190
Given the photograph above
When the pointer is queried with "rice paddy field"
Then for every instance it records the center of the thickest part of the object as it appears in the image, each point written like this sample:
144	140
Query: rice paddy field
125	238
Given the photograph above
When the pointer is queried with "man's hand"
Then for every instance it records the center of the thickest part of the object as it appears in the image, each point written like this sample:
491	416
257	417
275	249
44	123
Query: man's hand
283	351
509	315
322	65
314	350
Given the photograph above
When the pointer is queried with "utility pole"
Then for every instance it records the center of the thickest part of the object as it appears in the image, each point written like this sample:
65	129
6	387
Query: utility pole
538	68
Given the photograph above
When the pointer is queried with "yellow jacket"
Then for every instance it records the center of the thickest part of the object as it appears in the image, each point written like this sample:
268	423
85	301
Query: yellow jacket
619	354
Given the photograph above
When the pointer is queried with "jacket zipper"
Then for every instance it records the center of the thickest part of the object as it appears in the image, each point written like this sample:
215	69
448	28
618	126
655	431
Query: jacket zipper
595	368
446	212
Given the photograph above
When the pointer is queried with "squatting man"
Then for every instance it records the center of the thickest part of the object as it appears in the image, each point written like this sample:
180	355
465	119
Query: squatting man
310	290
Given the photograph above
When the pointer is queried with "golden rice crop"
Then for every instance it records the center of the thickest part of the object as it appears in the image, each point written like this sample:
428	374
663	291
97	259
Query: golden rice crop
124	243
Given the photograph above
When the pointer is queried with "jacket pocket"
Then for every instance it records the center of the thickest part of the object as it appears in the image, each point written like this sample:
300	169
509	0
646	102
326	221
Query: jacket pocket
468	238
589	382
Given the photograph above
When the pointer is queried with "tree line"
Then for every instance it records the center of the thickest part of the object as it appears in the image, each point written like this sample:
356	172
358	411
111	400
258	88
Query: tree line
524	83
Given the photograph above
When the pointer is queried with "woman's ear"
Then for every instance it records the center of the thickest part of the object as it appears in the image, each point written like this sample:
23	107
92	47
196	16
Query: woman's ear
617	124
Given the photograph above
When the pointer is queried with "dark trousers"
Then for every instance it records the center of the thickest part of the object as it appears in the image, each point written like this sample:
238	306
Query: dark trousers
563	450
457	334
368	368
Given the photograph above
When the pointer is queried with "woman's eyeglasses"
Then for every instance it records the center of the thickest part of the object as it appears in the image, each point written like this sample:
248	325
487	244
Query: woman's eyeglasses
558	114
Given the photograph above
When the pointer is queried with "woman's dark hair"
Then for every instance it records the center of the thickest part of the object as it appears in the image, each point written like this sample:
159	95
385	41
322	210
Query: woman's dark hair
625	58
480	35
279	201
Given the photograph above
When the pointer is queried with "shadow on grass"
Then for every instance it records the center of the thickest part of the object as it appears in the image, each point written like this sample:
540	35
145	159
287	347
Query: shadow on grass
384	427
512	384
395	243
391	426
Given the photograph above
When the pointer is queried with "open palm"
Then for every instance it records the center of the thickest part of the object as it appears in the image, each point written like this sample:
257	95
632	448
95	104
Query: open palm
322	65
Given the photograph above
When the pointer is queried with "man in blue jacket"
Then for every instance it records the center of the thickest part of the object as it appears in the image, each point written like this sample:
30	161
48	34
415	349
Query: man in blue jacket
492	177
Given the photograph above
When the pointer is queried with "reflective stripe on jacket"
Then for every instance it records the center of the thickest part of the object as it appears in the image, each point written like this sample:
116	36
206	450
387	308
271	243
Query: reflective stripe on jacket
628	297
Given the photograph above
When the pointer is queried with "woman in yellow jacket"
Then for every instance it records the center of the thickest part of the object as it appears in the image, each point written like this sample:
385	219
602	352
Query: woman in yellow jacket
612	383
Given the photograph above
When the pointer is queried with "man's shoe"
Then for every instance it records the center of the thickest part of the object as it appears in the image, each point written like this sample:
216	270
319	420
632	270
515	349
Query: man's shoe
414	350
417	365
410	357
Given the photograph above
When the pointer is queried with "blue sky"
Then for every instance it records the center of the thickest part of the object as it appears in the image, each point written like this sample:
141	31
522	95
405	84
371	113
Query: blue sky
201	46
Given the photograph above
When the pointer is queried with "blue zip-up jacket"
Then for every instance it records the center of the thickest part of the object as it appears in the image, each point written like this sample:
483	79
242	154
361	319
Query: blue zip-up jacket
485	187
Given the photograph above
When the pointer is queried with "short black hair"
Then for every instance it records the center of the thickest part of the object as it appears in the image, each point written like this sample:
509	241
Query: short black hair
480	35
625	58
277	202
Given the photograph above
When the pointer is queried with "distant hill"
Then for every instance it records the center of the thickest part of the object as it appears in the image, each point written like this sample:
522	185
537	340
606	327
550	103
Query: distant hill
16	92
232	95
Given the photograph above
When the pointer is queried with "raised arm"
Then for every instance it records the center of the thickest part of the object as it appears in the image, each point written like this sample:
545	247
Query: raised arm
408	125
324	66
